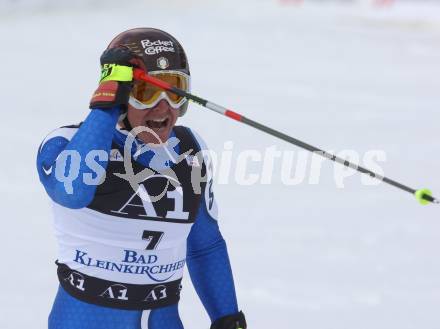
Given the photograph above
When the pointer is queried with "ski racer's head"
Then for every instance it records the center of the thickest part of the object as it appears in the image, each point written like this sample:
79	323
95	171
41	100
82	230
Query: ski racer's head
162	56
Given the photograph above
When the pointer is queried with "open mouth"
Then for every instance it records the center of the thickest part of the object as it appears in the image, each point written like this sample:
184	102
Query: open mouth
157	124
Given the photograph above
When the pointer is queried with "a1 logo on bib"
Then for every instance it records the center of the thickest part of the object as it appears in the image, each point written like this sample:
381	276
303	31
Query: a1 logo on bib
76	280
159	196
157	293
116	291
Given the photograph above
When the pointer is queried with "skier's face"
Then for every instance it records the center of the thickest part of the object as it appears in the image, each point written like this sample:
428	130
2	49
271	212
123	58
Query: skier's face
159	119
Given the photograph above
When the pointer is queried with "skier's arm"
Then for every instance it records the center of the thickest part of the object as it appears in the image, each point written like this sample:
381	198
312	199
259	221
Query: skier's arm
208	260
209	266
62	157
70	169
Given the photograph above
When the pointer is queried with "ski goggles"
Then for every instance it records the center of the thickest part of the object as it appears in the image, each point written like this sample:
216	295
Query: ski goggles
144	95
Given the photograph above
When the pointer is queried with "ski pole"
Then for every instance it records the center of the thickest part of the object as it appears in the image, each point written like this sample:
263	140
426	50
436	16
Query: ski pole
424	196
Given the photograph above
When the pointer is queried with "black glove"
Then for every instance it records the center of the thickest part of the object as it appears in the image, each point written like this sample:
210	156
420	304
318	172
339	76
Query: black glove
116	78
234	321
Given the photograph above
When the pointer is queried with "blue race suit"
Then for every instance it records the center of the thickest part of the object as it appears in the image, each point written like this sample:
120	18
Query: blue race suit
206	252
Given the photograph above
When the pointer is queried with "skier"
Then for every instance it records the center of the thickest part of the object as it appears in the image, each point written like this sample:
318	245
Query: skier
132	200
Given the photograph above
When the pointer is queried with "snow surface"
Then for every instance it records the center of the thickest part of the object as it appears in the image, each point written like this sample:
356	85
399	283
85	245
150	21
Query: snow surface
310	256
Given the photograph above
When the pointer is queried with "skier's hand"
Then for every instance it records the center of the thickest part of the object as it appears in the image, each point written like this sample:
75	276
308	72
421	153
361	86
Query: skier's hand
116	79
233	321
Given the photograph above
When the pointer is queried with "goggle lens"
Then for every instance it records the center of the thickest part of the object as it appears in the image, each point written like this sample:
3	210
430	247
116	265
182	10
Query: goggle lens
148	94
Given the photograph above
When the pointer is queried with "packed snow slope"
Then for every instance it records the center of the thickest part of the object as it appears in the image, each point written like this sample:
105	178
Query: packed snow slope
341	77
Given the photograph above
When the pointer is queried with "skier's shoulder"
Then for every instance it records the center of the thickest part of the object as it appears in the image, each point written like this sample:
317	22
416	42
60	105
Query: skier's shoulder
194	137
201	153
60	134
